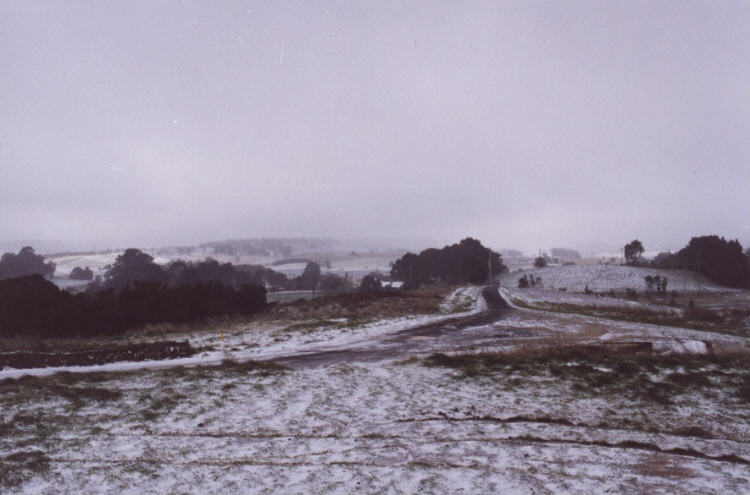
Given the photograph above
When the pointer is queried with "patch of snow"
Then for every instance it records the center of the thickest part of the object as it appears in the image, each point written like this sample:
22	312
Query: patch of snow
681	347
602	278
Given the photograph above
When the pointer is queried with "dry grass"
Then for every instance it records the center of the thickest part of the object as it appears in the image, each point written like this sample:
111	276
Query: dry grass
363	305
261	368
730	323
663	466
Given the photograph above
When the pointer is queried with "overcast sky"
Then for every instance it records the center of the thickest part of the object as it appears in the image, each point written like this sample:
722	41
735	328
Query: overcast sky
524	124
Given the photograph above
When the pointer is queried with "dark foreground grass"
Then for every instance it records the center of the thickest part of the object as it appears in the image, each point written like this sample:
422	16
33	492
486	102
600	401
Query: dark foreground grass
261	368
641	377
65	386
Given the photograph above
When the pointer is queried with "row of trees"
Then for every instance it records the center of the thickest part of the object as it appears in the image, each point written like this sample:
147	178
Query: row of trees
312	279
31	305
135	291
465	262
134	266
718	259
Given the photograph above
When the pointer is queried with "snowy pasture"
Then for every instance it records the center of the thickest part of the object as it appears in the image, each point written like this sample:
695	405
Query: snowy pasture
365	405
367	428
601	278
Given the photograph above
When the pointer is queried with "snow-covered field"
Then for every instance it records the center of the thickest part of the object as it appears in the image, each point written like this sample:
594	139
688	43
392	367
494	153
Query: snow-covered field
375	428
600	278
389	425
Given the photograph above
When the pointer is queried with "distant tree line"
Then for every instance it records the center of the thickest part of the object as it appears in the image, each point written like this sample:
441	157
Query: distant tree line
464	262
31	305
26	262
134	266
135	291
720	260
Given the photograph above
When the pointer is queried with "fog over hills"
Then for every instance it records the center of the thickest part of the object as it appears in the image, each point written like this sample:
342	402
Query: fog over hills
525	125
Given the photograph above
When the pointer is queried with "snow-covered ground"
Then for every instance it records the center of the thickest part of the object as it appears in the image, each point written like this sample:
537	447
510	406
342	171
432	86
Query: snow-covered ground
377	428
199	425
601	278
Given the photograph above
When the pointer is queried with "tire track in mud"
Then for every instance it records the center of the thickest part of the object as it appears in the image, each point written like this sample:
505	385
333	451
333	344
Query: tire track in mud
625	444
633	444
407	440
565	422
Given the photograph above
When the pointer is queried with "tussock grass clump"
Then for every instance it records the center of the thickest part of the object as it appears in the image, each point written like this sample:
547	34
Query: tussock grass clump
159	403
263	368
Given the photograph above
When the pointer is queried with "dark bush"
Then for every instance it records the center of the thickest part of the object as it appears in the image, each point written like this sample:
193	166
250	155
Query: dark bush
79	273
370	282
718	259
26	262
331	282
465	262
34	306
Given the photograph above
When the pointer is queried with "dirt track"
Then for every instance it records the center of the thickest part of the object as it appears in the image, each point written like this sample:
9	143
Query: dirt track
446	335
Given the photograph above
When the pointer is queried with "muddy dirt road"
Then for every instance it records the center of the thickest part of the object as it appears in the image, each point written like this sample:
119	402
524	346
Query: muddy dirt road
482	329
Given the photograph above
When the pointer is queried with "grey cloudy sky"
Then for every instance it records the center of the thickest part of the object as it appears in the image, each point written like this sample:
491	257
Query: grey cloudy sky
525	124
